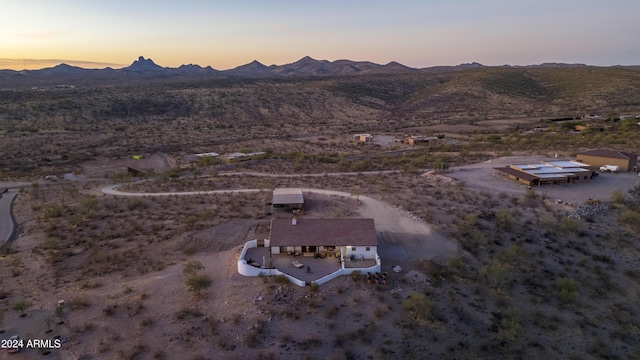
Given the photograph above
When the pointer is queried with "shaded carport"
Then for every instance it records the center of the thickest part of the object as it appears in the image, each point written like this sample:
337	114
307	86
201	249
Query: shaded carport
514	175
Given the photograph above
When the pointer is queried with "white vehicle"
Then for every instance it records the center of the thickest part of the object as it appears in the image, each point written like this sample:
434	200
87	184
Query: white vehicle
610	168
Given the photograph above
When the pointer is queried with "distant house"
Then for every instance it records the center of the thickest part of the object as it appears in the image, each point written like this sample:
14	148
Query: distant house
238	156
211	154
365	138
596	158
351	238
416	140
287	198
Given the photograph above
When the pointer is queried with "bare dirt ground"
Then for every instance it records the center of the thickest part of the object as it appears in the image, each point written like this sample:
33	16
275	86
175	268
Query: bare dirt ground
120	316
129	307
480	177
100	168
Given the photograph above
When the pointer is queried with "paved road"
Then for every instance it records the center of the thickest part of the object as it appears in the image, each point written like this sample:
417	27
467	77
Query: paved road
7	225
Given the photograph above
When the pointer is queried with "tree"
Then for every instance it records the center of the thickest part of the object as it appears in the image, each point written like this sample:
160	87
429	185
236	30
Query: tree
192	268
21	306
197	283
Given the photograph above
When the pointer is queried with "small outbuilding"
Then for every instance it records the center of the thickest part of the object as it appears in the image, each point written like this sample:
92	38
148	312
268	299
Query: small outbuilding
417	140
287	198
364	138
597	158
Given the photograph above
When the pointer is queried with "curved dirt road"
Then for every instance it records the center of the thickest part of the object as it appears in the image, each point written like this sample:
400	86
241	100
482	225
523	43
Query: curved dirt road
401	237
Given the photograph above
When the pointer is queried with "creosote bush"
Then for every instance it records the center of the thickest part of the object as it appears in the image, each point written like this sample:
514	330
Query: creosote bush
418	306
566	290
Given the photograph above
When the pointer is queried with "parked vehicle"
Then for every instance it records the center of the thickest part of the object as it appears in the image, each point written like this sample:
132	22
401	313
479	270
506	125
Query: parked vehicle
610	168
14	343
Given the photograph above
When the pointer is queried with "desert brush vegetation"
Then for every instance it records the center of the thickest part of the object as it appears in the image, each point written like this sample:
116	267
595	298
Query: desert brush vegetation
496	270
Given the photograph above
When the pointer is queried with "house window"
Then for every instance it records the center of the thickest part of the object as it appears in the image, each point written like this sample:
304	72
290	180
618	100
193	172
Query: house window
368	248
353	248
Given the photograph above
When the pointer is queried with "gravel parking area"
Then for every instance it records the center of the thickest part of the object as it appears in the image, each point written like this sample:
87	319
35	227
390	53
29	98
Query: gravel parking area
480	176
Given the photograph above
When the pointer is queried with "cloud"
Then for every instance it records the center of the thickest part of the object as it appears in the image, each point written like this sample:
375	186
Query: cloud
30	64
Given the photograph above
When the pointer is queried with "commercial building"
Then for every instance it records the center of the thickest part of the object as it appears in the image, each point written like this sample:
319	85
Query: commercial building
546	172
597	158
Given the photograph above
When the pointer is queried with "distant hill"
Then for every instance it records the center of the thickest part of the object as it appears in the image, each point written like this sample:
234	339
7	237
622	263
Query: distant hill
143	68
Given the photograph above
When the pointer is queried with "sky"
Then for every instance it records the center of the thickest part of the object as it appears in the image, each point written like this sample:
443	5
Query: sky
225	34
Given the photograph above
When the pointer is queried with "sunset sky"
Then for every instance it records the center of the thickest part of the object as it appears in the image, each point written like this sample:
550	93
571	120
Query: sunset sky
225	34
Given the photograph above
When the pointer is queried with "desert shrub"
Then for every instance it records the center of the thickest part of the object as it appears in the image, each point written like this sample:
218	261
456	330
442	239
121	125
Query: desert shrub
510	325
618	197
456	265
418	306
512	254
192	268
110	310
504	219
310	343
498	274
53	211
356	275
569	225
187	312
21	306
630	218
196	284
281	279
314	287
331	311
566	290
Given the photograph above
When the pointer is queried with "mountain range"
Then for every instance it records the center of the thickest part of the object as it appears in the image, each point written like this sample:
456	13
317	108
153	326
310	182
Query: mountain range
306	66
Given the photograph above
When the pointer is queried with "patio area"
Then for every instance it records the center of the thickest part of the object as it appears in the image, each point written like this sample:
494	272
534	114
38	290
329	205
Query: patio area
284	262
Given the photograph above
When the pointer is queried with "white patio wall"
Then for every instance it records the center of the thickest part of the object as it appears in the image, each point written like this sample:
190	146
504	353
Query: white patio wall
249	270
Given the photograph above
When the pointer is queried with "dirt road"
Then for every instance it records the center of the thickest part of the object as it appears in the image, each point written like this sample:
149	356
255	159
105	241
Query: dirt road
401	237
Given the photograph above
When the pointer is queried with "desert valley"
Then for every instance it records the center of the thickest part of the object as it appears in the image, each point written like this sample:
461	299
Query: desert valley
129	195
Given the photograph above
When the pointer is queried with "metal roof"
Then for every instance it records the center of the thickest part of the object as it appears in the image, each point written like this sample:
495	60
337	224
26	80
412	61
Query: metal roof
565	164
609	154
287	196
520	174
552	170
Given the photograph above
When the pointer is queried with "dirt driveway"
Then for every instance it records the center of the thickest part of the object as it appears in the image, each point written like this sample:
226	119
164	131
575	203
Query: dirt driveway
401	237
480	176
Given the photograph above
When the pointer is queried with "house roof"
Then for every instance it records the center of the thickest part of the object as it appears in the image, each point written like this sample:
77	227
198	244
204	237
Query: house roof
287	196
521	174
609	153
327	232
